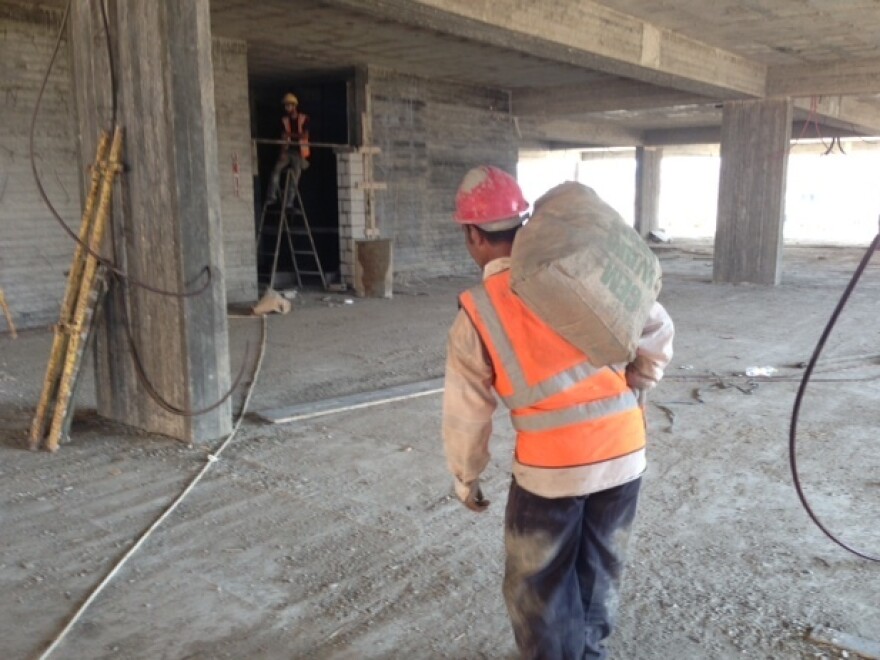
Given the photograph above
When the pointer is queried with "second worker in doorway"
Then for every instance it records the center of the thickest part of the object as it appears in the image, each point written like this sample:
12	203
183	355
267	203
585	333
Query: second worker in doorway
295	154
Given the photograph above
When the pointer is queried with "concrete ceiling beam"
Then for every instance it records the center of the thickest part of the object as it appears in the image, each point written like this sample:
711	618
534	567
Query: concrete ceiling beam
602	96
841	112
682	136
846	114
801	129
834	79
584	34
575	133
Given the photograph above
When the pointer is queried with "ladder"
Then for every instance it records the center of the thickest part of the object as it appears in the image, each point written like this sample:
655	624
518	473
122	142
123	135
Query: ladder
289	216
81	304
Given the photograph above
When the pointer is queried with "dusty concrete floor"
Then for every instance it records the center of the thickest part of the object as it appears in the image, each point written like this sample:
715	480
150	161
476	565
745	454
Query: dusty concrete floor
337	538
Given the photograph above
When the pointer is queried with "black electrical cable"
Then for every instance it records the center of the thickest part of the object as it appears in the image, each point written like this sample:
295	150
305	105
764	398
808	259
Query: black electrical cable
145	381
792	437
106	263
121	278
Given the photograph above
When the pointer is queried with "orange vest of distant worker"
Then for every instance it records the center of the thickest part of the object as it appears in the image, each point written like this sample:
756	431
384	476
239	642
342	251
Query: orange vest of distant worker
566	412
299	135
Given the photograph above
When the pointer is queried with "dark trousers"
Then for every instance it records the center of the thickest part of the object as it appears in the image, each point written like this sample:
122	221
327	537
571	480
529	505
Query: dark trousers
562	576
297	164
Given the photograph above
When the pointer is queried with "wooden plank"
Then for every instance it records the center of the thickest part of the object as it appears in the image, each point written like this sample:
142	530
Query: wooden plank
865	648
303	411
91	288
62	328
9	324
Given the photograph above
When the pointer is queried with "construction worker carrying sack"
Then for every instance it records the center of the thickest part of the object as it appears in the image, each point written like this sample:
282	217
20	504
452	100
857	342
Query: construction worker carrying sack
294	129
580	443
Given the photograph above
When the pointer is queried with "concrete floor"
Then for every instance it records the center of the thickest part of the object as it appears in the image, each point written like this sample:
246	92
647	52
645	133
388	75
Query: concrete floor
337	538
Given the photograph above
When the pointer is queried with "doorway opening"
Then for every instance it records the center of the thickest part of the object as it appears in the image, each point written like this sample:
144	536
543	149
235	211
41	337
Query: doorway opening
325	101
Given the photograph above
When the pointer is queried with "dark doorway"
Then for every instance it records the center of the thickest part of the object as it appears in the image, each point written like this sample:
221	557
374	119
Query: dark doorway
325	102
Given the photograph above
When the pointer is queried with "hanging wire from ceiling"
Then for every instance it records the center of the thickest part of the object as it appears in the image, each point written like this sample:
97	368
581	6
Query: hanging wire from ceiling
796	411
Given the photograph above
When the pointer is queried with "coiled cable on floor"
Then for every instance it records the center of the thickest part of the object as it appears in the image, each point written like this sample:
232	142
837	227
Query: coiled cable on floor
792	434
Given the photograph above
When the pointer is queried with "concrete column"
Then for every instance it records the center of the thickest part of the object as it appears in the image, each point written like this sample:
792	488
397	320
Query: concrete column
647	215
755	139
166	224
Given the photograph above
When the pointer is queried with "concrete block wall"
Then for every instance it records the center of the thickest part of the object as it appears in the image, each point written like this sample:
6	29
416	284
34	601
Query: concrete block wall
352	209
430	134
236	169
35	253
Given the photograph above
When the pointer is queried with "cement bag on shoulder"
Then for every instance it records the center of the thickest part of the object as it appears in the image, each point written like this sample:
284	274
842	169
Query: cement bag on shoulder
586	273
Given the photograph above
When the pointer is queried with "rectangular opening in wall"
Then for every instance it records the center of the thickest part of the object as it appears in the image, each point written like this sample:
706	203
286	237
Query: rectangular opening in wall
324	100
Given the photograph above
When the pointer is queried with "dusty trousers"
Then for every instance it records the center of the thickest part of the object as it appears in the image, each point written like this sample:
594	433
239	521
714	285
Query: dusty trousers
563	567
297	164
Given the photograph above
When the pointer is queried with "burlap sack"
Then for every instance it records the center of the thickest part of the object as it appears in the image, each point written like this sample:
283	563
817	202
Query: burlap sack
272	302
586	273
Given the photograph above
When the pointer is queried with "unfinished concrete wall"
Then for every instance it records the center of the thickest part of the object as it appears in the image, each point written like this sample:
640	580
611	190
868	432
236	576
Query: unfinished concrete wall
236	169
35	252
430	133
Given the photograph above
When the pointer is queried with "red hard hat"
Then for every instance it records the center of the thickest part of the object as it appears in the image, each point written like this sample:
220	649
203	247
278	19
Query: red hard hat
488	195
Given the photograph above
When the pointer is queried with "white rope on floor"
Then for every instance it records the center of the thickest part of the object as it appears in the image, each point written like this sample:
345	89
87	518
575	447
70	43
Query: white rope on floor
212	458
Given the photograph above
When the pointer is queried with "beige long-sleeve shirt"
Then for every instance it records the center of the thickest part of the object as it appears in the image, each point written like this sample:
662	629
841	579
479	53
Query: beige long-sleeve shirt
469	402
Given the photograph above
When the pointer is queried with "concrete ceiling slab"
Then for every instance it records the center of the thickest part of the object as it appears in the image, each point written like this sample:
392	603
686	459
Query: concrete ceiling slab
630	65
773	32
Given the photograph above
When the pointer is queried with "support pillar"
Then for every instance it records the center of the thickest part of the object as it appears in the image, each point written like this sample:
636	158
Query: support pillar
647	213
166	212
755	138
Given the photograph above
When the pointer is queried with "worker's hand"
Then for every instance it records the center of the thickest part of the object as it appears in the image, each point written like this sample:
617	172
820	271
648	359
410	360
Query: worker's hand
471	496
637	380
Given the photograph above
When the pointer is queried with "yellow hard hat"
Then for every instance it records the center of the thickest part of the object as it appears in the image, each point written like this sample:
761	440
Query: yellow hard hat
290	98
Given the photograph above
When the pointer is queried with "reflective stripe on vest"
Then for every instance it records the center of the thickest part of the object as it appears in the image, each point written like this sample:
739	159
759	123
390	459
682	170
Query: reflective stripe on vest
523	395
576	415
584	412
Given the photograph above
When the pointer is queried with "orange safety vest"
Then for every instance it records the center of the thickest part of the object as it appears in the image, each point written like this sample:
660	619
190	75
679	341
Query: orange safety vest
566	412
301	135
